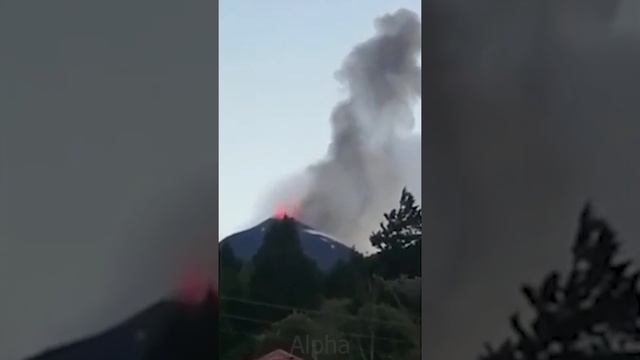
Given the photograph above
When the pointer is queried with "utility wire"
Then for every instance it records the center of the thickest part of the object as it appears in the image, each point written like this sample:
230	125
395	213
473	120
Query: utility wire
318	312
349	334
250	319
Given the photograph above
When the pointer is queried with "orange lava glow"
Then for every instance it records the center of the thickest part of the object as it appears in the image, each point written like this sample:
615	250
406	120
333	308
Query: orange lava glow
194	286
286	210
280	213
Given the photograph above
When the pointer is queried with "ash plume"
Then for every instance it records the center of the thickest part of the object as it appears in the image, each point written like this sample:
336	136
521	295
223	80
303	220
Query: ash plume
531	110
373	153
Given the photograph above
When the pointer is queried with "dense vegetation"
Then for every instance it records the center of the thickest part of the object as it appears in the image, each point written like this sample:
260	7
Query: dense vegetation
369	307
364	308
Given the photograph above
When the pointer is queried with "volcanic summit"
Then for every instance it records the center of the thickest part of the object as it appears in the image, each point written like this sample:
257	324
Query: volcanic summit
318	246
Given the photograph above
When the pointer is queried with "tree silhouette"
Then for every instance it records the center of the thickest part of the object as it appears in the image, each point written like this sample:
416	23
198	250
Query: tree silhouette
282	273
339	304
230	285
403	228
348	279
399	241
593	313
230	267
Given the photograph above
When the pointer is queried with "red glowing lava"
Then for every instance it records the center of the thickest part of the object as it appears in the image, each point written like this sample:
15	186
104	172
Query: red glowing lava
280	213
194	286
286	210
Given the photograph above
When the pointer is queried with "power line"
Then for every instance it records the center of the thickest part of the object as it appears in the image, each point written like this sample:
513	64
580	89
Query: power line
263	321
246	318
318	312
223	314
348	334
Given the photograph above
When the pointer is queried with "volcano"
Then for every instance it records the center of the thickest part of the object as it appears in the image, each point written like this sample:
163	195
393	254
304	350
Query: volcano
320	247
167	330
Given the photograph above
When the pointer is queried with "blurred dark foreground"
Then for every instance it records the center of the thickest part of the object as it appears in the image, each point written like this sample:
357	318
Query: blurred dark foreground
167	330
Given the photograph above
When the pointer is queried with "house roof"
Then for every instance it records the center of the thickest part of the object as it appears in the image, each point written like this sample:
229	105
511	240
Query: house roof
279	355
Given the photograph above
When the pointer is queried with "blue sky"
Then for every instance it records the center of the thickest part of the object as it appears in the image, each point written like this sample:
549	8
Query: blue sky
277	61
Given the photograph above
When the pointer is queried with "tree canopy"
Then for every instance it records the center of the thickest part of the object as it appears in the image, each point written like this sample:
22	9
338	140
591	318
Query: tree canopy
284	300
403	226
592	313
282	273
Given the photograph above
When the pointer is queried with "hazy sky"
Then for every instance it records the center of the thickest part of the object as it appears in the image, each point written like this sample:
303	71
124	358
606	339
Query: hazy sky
277	61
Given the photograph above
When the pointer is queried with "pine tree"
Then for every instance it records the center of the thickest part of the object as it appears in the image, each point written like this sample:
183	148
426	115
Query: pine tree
403	227
591	314
399	241
230	285
229	271
347	279
282	273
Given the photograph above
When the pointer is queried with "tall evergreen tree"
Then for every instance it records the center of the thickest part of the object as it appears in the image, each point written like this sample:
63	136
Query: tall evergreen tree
399	240
593	313
403	226
347	279
229	271
282	273
230	286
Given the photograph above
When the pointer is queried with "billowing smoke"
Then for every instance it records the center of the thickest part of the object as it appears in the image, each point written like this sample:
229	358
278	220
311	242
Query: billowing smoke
531	110
374	152
108	167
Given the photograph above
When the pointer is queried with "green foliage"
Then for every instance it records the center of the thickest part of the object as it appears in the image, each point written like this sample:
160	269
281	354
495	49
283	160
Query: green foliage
390	332
399	240
397	262
343	335
348	279
404	293
283	334
366	303
229	274
403	228
593	313
244	276
282	273
230	285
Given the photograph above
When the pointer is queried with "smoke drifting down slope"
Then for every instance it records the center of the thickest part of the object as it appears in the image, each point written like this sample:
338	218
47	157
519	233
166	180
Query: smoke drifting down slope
532	110
373	152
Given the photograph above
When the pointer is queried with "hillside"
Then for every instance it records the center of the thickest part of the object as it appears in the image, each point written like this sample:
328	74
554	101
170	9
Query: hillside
322	248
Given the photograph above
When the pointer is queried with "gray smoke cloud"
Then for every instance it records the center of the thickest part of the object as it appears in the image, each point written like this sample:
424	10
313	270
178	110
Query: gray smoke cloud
108	166
374	152
531	110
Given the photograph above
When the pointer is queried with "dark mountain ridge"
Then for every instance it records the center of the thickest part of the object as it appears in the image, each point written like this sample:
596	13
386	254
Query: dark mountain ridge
168	329
322	248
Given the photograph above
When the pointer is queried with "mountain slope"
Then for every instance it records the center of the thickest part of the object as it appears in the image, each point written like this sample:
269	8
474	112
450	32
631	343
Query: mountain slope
167	330
320	247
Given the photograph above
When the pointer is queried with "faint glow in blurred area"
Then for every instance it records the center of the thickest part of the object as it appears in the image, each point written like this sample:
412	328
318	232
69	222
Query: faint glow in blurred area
195	284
